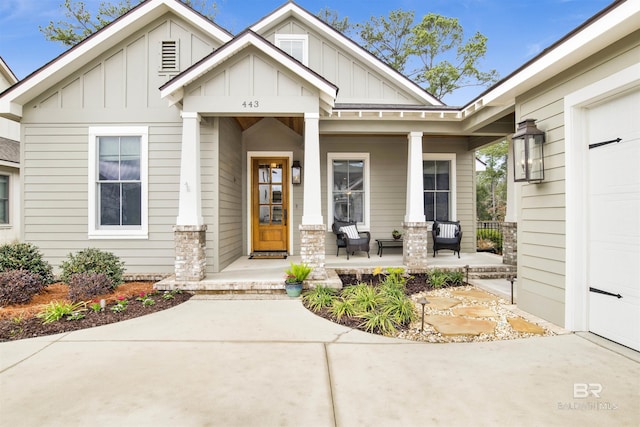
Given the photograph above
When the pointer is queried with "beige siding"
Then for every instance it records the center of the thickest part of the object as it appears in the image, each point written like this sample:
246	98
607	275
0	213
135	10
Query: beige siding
388	157
229	195
542	216
358	82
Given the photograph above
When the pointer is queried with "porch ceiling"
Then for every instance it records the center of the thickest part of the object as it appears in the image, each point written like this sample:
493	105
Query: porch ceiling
294	123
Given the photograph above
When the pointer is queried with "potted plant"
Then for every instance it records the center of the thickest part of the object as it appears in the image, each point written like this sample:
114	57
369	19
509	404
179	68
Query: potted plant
396	234
295	275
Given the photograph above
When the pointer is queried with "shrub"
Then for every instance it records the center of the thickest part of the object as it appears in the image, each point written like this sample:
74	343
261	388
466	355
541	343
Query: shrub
319	298
455	277
493	235
25	256
19	286
93	260
437	278
342	307
88	285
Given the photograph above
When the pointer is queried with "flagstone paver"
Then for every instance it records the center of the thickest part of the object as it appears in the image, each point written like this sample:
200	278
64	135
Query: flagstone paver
475	294
442	303
448	325
474	311
522	325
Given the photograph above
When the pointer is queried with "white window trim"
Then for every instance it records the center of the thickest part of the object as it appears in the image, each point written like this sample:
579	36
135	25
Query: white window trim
296	37
453	182
8	224
366	225
94	232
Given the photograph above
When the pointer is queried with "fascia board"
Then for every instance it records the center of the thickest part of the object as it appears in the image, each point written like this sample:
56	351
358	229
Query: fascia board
104	39
238	44
291	9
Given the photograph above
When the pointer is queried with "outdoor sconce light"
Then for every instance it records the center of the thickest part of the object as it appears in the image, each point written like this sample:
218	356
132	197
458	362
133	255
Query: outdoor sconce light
295	172
528	157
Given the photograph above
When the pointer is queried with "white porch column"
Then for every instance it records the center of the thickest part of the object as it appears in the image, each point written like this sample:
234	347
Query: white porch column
415	188
312	206
190	204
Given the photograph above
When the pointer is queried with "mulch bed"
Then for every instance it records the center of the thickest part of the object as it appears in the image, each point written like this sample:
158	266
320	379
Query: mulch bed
19	321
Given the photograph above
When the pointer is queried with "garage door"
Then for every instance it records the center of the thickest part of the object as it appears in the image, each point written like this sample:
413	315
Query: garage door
614	219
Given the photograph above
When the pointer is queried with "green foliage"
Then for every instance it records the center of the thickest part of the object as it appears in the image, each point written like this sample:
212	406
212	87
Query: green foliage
93	260
18	286
56	310
331	17
400	309
95	306
120	305
79	22
25	256
297	272
455	277
389	38
342	307
365	298
377	321
491	184
318	298
88	285
492	235
437	278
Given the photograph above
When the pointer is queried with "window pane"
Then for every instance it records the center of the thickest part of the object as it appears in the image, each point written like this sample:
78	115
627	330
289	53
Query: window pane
339	175
296	49
131	202
442	206
263	174
109	158
4	199
442	177
4	187
276	194
341	207
4	212
264	193
277	215
264	215
356	207
428	173
356	175
429	210
130	158
276	173
109	204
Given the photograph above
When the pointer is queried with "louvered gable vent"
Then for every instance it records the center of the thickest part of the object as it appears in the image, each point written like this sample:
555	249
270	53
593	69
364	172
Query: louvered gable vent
169	61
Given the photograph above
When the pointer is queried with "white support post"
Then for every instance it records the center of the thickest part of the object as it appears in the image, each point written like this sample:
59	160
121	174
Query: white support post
415	188
312	206
190	204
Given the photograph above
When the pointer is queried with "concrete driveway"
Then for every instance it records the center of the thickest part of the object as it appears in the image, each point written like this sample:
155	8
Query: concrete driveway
272	363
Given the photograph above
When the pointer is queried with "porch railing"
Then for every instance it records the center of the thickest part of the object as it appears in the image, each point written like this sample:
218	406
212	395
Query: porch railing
489	236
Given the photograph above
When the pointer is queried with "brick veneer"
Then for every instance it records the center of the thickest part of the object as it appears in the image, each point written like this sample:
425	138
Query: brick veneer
191	258
414	246
510	243
312	246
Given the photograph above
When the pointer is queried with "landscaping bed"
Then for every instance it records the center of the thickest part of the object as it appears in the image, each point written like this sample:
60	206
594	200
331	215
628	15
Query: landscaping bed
19	321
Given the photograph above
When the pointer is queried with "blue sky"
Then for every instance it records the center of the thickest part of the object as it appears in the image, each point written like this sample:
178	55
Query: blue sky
517	29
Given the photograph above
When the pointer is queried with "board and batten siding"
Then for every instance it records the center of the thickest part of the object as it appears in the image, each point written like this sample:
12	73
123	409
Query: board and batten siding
358	83
388	174
542	208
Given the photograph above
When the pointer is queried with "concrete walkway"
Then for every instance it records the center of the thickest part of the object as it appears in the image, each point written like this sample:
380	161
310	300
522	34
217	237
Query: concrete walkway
273	363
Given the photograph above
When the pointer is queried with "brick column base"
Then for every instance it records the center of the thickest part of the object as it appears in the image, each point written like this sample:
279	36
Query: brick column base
312	249
510	243
191	258
414	246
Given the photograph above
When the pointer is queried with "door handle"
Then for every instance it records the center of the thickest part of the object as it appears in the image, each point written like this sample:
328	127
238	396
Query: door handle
285	217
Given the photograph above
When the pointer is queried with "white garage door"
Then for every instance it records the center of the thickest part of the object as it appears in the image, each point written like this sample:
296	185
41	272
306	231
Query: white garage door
614	219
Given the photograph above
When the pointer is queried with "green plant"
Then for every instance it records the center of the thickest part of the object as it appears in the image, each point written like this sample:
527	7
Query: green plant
120	305
168	295
319	297
365	298
93	260
455	277
342	307
297	273
400	309
493	235
377	321
96	306
56	310
76	315
25	256
18	286
88	285
396	234
437	278
145	299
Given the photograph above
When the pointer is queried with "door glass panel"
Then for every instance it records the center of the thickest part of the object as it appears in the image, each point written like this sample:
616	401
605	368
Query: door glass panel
264	215
276	173
263	174
277	215
276	195
264	194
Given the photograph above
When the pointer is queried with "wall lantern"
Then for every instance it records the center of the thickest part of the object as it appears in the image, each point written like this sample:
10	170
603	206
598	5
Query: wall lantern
528	157
295	172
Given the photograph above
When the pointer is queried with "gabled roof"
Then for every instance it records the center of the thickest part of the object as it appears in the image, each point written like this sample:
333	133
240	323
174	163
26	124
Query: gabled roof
174	88
11	100
291	9
7	73
9	151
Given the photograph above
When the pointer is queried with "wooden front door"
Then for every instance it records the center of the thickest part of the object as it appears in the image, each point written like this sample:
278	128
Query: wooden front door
269	204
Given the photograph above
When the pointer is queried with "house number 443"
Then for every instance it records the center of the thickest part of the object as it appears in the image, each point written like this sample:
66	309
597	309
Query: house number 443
251	104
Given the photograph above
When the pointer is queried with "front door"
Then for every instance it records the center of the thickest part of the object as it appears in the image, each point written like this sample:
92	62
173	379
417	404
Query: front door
269	204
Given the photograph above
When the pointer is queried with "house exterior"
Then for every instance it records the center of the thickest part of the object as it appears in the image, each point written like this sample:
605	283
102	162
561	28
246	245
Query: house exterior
170	142
9	167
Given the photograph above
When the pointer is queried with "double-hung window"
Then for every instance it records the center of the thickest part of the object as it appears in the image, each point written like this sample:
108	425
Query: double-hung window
348	184
118	182
438	171
4	199
295	45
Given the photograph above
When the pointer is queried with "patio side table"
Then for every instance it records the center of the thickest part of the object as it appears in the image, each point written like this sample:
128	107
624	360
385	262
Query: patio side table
388	243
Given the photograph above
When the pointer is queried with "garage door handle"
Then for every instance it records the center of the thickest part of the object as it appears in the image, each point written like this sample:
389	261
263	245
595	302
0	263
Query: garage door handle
600	291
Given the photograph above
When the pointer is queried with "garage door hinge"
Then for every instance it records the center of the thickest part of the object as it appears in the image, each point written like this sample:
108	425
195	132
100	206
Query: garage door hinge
600	144
600	291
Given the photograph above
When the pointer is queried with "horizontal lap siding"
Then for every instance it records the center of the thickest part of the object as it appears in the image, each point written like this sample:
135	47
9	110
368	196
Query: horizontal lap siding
56	196
542	216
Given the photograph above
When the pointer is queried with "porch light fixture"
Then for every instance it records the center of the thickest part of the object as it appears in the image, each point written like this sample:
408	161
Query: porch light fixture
295	172
528	156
